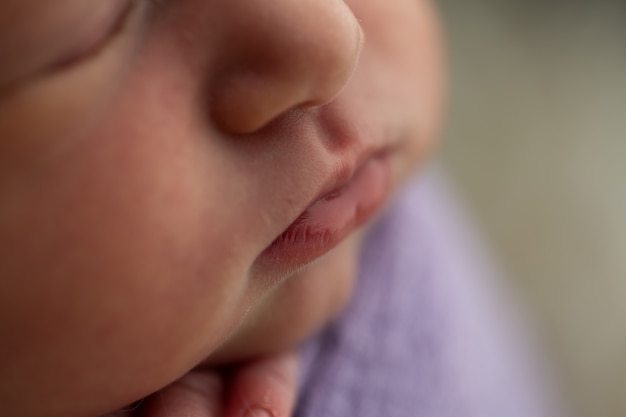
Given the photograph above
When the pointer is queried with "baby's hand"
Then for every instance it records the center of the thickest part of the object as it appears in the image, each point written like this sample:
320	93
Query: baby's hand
265	387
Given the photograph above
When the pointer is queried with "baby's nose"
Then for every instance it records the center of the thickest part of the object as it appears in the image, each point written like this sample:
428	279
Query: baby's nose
280	55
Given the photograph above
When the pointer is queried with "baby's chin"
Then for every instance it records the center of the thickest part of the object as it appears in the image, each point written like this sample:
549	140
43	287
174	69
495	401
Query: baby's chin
296	309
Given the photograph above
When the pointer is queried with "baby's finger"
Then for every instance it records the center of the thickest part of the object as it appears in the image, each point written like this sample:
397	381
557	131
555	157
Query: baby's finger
200	393
266	387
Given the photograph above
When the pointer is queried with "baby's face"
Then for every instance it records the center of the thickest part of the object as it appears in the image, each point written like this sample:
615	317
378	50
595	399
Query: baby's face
182	182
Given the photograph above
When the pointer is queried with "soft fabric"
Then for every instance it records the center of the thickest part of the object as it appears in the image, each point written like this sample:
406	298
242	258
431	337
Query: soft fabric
427	333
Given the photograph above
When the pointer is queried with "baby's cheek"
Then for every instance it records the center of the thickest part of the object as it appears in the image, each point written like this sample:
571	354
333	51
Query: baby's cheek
116	279
407	67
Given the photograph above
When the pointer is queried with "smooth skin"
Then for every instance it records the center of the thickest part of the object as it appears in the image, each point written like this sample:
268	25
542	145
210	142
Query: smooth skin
150	151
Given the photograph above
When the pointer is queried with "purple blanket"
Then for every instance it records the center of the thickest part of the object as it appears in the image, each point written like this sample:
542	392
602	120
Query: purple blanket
428	333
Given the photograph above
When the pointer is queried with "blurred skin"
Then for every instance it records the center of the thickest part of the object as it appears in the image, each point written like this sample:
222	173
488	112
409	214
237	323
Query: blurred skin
150	152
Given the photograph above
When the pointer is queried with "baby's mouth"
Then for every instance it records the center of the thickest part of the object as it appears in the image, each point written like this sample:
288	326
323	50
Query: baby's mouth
326	222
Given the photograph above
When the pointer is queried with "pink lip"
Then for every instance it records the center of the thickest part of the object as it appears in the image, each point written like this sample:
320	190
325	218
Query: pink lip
327	221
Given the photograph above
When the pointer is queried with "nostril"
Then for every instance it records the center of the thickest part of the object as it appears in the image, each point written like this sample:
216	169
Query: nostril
299	56
244	103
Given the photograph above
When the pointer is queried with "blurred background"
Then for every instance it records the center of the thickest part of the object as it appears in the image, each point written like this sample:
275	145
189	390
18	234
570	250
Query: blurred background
536	143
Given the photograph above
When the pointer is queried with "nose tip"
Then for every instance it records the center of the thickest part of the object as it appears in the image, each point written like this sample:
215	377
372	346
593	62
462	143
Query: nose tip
282	55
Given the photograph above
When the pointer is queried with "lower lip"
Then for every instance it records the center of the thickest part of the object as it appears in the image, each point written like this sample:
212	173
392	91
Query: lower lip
330	219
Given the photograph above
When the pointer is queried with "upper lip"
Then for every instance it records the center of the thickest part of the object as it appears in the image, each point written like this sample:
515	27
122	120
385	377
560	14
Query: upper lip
340	167
340	175
343	173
